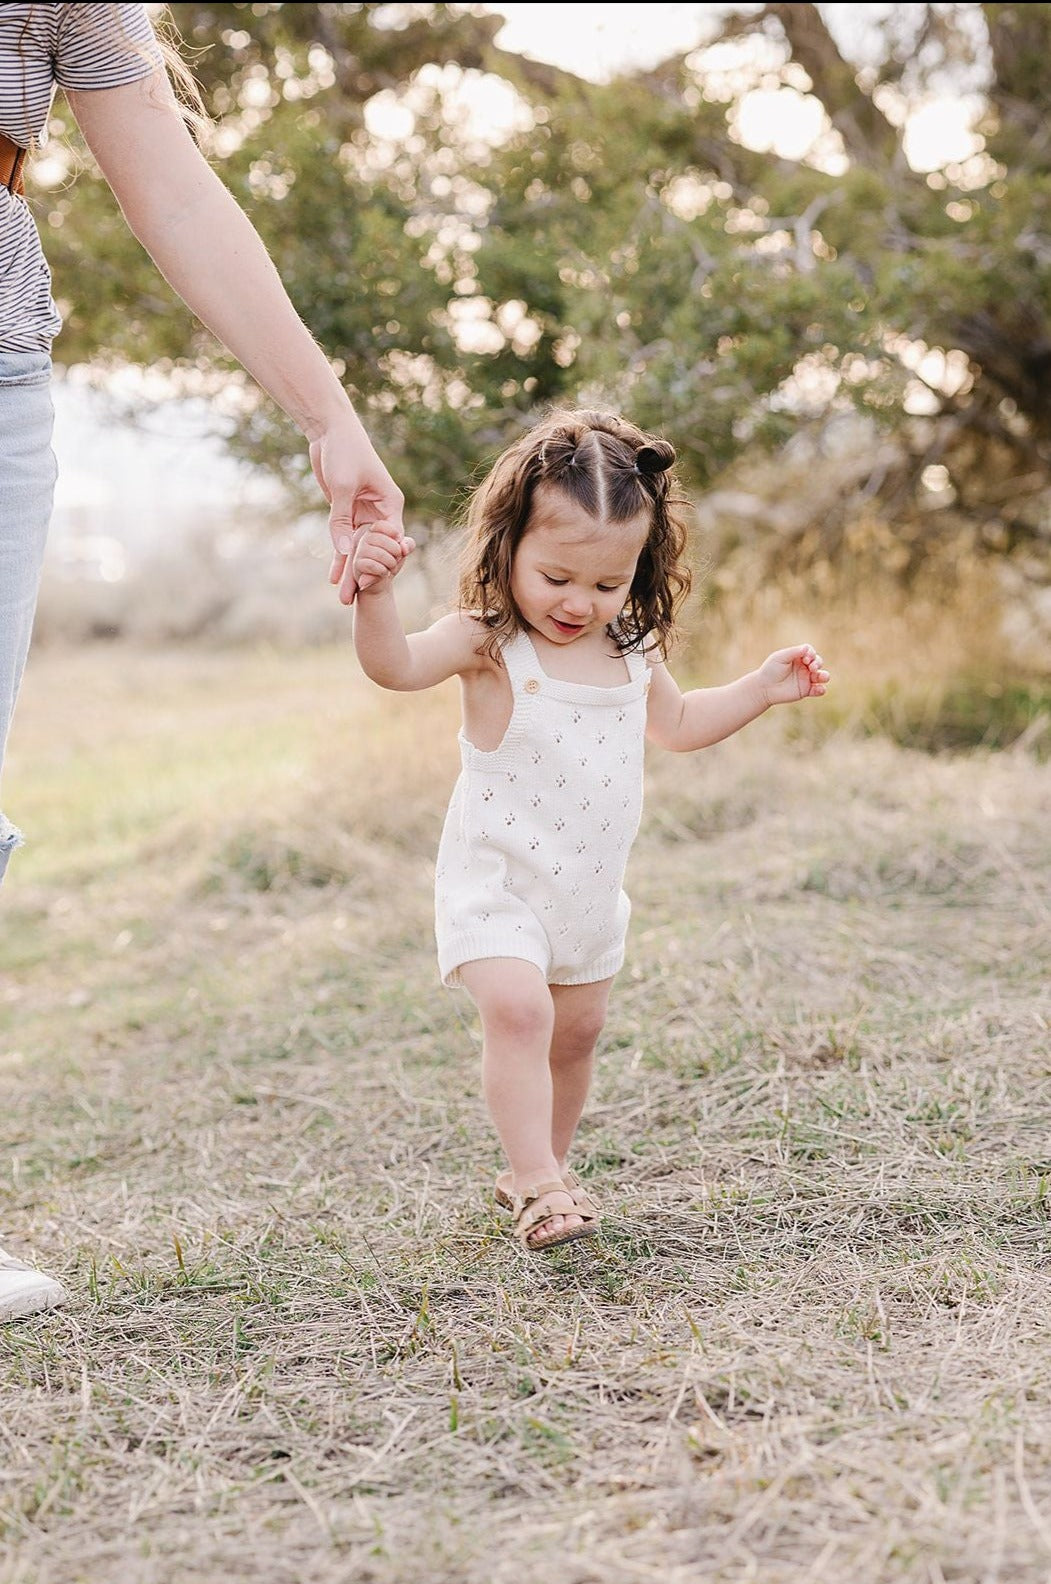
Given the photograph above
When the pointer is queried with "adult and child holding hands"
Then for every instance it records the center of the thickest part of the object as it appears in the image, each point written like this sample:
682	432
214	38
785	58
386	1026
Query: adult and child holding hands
573	568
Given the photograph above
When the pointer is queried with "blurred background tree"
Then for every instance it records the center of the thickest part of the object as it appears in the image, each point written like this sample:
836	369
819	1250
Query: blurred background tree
470	234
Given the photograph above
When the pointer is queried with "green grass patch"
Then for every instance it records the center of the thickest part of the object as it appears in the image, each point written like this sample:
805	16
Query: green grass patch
810	1342
963	714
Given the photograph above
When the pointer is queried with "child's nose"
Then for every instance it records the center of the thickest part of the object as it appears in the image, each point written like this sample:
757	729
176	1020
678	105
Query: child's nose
577	602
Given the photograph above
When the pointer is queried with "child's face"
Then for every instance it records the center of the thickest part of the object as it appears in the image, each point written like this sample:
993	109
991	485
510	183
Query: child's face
572	573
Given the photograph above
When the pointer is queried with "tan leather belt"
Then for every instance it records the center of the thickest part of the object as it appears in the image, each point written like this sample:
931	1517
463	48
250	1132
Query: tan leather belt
12	160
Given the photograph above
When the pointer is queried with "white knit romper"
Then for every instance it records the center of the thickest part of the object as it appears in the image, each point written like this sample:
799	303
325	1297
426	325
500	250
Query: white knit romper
538	831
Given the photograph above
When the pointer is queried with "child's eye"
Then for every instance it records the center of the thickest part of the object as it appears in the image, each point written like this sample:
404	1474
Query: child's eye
555	582
607	588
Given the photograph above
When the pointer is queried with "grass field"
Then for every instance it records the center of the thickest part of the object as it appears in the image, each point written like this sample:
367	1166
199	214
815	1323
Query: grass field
813	1342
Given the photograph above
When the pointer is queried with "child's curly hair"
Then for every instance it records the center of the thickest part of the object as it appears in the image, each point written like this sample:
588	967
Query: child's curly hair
613	472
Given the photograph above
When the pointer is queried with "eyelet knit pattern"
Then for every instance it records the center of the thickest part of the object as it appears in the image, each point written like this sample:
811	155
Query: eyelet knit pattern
537	835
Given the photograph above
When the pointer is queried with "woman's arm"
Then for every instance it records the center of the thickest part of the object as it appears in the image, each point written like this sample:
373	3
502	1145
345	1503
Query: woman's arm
685	721
212	256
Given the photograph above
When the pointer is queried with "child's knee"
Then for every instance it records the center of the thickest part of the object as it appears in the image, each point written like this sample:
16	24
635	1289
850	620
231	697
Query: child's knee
577	1035
512	998
519	1017
518	1008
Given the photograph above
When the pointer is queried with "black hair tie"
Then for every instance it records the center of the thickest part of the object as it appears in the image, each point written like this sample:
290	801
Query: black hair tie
657	458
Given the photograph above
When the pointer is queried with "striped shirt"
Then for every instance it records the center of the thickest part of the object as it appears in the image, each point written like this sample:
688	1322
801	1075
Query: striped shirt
43	47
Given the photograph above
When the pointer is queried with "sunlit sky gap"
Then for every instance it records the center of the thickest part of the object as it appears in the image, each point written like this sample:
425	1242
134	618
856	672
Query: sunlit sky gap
597	41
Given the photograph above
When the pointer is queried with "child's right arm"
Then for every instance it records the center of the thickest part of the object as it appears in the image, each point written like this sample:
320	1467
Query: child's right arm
403	662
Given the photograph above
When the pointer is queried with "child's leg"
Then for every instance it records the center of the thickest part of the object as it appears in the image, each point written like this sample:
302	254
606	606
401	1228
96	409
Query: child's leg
580	1014
518	1019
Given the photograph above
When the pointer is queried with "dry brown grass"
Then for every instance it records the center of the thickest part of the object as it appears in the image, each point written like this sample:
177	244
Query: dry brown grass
812	1342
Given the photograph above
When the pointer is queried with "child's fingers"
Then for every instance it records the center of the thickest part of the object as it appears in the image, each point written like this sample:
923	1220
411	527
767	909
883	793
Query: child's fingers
380	556
817	676
372	571
381	532
792	656
807	656
378	552
382	561
387	555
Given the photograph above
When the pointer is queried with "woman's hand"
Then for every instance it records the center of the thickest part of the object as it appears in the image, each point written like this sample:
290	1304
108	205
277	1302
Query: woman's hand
359	491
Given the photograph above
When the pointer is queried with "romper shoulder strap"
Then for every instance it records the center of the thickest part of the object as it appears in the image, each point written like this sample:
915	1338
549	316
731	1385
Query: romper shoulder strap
520	660
636	661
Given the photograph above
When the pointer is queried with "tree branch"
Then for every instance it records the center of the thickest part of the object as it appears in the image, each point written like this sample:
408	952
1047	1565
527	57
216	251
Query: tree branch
868	135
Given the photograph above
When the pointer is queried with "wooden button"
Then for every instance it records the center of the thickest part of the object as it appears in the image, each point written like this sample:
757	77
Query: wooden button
532	686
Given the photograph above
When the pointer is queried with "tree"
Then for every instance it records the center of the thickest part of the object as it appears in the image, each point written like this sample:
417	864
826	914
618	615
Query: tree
288	87
621	242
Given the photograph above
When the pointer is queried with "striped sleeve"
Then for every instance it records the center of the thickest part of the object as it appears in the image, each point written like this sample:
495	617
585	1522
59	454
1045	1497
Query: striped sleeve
104	46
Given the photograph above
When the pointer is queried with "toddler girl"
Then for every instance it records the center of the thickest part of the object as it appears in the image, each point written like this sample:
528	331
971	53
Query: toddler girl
572	574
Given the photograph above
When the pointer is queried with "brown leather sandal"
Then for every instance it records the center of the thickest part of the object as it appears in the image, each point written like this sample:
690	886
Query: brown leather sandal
534	1207
571	1182
581	1198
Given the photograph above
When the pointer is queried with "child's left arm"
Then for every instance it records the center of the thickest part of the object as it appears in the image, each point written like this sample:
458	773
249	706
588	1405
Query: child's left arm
685	721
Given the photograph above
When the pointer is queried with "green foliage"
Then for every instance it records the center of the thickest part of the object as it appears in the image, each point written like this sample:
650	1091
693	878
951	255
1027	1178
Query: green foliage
969	713
620	243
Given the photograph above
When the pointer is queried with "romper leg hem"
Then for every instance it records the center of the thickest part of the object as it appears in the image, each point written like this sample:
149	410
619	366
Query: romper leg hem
482	948
602	968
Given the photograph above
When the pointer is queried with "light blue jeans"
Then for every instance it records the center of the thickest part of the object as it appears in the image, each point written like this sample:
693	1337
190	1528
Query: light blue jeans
27	488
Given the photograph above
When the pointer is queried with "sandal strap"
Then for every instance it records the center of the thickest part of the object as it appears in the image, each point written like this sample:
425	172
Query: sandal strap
583	1201
535	1206
586	1206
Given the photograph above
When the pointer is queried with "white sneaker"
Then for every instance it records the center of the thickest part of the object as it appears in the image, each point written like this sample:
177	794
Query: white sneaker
25	1291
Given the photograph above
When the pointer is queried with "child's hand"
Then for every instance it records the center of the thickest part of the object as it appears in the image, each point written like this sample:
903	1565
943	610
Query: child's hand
378	555
792	674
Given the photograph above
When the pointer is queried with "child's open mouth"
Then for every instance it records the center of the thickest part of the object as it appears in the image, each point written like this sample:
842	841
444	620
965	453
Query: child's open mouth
567	627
